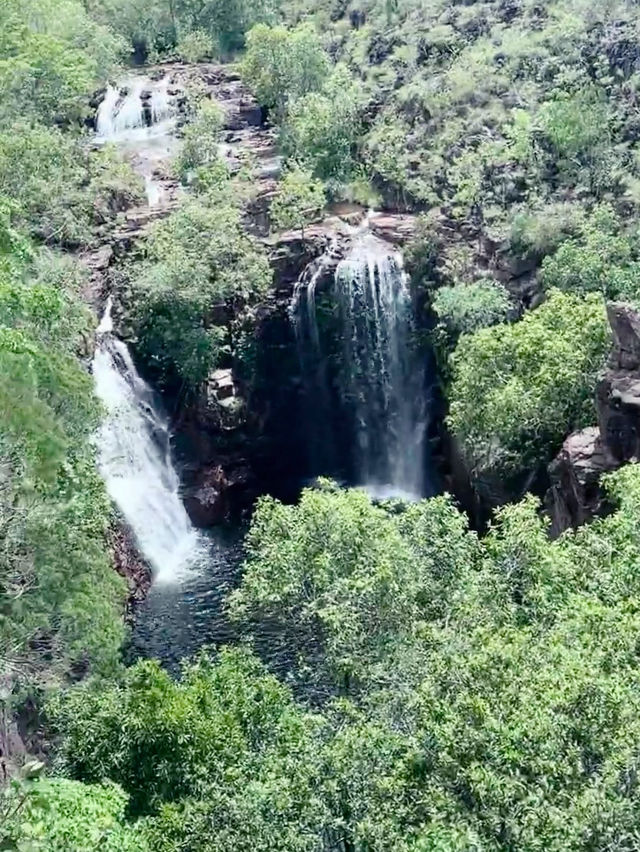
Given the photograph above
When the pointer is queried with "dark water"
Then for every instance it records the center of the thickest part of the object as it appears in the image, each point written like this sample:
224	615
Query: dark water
176	620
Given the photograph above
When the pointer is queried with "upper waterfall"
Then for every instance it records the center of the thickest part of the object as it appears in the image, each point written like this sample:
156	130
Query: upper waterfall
134	455
139	116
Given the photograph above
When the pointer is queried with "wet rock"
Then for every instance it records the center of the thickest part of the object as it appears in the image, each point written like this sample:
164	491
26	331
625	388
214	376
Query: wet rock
396	229
220	406
130	564
217	494
291	252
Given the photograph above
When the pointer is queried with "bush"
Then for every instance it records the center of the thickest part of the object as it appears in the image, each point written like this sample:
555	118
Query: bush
282	65
322	128
518	390
300	199
465	308
201	142
43	171
199	259
539	233
224	724
601	258
58	815
196	46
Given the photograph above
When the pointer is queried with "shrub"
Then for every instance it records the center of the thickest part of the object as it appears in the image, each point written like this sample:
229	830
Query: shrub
199	259
322	128
465	308
196	46
518	390
201	142
282	65
601	258
300	199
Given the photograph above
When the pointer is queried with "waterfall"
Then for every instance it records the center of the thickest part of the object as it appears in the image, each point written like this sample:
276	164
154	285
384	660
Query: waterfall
134	456
318	406
131	113
160	102
381	378
106	112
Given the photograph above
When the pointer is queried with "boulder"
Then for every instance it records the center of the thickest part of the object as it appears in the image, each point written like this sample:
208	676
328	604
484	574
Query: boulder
396	229
290	253
624	320
575	495
218	494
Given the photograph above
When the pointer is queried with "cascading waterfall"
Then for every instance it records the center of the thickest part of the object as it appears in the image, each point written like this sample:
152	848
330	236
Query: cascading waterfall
160	101
124	120
382	380
131	113
304	317
134	455
106	113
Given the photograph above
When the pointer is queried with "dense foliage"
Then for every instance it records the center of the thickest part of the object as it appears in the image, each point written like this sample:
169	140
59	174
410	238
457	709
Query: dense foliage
448	691
61	599
202	271
518	389
492	704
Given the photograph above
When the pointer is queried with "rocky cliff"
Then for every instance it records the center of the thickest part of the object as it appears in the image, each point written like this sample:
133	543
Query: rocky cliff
576	495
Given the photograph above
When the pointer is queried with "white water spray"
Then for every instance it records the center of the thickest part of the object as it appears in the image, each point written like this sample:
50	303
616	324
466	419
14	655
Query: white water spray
134	450
106	113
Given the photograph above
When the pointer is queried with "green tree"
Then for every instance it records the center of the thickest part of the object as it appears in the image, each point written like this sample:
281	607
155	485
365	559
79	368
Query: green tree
465	308
53	57
199	259
57	815
600	258
282	65
337	568
201	142
224	724
517	390
322	128
299	200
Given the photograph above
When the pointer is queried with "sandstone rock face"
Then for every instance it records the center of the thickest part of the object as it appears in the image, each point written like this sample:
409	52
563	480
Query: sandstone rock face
575	495
396	229
129	564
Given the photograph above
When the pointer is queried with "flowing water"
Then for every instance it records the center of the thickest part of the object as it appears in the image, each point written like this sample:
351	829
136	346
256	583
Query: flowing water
139	117
381	377
134	454
381	382
192	572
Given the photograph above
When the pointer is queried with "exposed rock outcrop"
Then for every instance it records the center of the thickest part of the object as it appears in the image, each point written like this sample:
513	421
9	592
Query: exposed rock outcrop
575	495
220	493
129	564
